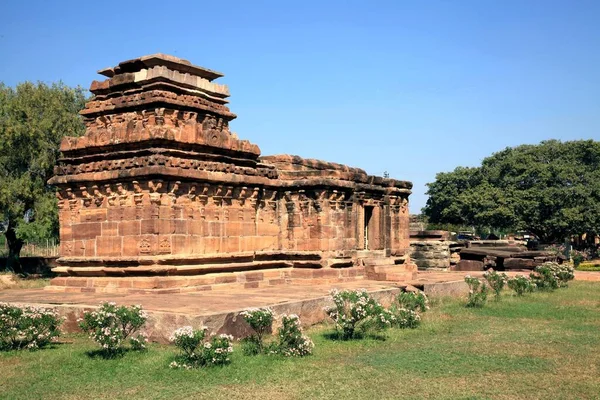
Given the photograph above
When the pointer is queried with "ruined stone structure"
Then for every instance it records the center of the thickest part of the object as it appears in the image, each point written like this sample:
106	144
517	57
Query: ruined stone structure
160	195
432	250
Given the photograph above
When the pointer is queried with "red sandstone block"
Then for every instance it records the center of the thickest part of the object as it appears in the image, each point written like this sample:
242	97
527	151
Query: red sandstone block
130	246
248	229
144	283
212	245
109	228
275	282
233	228
180	227
203	280
87	231
109	246
149	226
179	244
78	248
129	228
194	227
76	282
254	276
165	212
88	290
165	227
66	233
129	213
251	285
215	229
89	248
195	244
114	214
301	273
231	244
124	283
247	243
225	279
58	281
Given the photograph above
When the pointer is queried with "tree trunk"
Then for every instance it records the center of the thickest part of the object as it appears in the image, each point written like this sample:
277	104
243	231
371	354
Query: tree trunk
15	244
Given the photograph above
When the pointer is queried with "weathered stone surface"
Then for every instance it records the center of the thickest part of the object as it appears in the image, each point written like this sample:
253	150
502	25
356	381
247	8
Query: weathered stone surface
158	182
520	263
431	254
469	265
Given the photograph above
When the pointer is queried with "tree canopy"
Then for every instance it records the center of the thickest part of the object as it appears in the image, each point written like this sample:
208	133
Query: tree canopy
33	120
551	189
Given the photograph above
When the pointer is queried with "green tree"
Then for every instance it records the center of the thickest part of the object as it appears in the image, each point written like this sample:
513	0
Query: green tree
33	120
551	189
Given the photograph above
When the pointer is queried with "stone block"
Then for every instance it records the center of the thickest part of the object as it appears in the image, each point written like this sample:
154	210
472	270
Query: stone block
110	228
149	227
86	231
129	228
519	263
180	227
469	265
111	246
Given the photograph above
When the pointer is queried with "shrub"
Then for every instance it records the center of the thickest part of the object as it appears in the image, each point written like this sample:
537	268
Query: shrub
27	327
478	292
292	343
406	318
521	285
260	320
579	256
357	311
550	275
198	352
111	325
415	301
589	266
496	281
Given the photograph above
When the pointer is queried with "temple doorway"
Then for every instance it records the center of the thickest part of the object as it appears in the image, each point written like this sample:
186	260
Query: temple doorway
368	216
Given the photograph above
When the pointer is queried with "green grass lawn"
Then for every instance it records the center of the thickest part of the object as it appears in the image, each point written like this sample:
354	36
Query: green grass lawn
544	346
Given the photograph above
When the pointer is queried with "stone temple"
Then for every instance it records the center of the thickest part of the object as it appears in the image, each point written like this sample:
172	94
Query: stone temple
160	196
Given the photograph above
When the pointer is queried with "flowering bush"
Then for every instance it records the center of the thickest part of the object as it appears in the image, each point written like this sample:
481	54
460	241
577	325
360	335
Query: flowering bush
406	318
407	312
260	320
521	284
496	281
356	310
580	256
478	292
550	275
292	343
198	352
415	301
111	325
27	327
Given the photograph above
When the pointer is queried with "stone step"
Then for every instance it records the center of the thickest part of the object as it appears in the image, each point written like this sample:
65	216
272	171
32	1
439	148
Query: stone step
383	261
390	268
182	284
405	276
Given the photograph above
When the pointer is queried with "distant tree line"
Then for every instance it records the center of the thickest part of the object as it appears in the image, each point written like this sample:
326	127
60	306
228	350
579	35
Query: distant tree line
551	189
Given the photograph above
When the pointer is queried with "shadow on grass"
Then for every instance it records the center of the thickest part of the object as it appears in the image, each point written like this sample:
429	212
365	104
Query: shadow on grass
107	354
337	336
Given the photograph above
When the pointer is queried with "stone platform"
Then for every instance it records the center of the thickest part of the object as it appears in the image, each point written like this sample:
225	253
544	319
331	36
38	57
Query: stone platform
218	308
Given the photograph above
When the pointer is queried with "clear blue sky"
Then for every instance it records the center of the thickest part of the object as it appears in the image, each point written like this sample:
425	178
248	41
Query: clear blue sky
412	88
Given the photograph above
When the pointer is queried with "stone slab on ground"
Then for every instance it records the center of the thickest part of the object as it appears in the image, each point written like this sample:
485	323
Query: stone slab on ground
219	309
216	309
